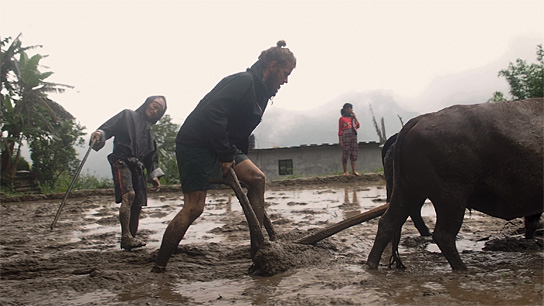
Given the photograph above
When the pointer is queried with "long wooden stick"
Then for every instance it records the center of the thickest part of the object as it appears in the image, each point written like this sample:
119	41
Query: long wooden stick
72	184
342	225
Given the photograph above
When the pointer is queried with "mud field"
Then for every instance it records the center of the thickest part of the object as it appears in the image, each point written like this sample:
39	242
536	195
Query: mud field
80	262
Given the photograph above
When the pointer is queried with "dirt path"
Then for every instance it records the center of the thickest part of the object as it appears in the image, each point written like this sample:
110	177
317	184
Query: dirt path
80	262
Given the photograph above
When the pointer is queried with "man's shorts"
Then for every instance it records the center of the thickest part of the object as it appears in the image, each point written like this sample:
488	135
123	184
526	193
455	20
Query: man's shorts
196	166
126	178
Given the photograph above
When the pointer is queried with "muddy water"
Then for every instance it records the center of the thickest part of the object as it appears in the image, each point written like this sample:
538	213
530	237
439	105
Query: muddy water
80	263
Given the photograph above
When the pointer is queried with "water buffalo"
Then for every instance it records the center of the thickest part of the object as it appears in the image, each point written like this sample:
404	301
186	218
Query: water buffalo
387	161
486	157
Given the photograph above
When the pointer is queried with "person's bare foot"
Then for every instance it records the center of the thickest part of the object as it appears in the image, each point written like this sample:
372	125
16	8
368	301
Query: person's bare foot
356	173
346	174
131	243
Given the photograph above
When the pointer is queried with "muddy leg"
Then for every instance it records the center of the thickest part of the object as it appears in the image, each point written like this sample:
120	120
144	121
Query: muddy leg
255	181
531	225
395	257
134	219
449	218
389	227
176	229
127	240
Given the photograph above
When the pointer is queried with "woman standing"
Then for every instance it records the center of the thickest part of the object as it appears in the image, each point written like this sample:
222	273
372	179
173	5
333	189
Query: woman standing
347	137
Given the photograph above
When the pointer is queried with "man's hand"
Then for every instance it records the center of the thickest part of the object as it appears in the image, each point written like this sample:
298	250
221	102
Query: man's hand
225	167
156	184
96	136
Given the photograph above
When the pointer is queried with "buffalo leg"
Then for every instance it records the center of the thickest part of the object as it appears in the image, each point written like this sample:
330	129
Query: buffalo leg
449	218
390	224
383	237
395	258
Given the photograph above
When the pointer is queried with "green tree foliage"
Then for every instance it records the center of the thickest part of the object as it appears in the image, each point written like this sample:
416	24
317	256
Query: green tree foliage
165	133
497	97
54	154
525	80
85	181
27	113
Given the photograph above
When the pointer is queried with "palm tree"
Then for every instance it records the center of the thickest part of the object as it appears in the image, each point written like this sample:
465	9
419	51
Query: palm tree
26	111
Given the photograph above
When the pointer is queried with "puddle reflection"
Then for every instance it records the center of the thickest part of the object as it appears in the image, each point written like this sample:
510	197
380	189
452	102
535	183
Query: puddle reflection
306	207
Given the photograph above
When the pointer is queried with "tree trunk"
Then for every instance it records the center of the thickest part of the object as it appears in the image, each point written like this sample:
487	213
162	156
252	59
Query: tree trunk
7	164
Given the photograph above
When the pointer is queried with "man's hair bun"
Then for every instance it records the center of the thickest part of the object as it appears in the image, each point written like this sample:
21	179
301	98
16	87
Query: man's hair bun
278	53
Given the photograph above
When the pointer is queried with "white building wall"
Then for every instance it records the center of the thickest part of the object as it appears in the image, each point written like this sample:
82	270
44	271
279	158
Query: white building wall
315	160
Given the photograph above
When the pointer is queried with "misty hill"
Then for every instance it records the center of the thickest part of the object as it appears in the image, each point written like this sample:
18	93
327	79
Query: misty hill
283	128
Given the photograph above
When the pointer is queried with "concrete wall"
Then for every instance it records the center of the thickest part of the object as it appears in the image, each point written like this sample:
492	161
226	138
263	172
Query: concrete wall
315	160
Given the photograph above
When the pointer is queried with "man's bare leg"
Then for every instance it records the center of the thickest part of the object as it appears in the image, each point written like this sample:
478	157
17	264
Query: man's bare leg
255	181
128	242
176	229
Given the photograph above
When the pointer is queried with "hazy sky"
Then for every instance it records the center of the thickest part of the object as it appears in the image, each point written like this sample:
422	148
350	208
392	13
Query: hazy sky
116	53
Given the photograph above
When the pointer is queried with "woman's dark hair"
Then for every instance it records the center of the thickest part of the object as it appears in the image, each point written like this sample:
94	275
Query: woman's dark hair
345	108
279	53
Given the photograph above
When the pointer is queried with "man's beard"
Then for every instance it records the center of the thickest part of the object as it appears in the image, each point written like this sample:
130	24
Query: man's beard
271	89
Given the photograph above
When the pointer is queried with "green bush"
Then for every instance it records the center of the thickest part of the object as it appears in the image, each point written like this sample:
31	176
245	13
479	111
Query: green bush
91	182
85	181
